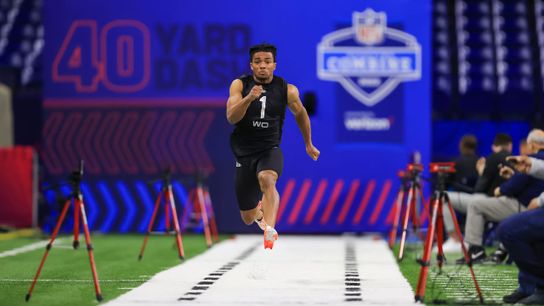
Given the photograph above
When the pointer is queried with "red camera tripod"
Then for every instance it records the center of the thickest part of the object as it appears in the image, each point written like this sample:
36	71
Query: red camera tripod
170	205
76	198
436	225
410	190
205	210
199	209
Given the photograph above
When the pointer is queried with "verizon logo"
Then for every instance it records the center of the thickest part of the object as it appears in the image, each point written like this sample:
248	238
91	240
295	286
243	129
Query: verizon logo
367	123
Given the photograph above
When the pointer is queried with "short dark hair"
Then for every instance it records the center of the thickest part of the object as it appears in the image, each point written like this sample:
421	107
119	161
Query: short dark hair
469	142
502	139
262	48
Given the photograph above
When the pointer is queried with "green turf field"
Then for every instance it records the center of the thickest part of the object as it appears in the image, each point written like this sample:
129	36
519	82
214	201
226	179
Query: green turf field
66	278
454	285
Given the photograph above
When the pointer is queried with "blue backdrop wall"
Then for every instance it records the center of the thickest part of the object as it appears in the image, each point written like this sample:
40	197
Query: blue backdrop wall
133	87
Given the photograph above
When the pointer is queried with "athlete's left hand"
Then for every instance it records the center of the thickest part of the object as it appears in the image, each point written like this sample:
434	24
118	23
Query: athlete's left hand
312	151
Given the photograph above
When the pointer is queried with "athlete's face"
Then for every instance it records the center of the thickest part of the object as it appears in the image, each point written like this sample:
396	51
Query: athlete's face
263	66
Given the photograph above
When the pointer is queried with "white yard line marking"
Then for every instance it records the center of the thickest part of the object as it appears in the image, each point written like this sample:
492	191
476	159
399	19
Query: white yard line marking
71	280
381	279
216	275
352	279
29	247
301	270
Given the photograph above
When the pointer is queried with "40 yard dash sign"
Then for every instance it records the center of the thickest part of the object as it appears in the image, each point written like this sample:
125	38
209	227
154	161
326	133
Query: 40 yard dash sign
117	56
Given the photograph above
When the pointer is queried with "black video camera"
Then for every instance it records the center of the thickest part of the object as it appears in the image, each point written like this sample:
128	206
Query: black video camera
75	177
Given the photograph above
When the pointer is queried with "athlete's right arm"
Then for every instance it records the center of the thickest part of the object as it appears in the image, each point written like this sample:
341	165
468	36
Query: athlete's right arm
236	105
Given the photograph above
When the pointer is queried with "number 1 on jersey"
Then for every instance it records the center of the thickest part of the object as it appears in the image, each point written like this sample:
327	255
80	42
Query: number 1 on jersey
263	106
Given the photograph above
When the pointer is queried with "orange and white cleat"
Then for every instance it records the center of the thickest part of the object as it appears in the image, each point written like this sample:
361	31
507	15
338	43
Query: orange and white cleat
270	235
260	222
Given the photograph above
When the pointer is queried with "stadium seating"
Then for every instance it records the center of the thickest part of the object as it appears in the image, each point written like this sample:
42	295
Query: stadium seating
487	59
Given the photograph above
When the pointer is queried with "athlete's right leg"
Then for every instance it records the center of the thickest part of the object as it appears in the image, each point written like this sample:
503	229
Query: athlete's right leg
247	191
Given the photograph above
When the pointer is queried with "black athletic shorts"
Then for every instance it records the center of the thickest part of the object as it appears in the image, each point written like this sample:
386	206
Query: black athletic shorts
248	191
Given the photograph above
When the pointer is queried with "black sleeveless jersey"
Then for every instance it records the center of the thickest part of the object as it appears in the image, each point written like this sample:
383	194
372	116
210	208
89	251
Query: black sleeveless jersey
261	127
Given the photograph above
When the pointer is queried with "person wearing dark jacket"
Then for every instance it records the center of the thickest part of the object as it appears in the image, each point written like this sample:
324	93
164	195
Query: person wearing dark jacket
511	197
523	235
488	179
466	175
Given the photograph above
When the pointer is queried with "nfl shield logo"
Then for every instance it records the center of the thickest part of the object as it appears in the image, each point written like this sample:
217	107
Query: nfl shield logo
369	26
360	60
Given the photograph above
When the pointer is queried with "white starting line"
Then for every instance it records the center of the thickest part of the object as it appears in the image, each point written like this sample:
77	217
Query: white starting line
300	270
29	247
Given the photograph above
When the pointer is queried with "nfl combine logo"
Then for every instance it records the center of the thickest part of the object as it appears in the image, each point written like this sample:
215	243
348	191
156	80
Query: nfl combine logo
369	27
369	59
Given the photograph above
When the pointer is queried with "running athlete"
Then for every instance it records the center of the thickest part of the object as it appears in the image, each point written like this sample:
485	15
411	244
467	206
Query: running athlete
256	106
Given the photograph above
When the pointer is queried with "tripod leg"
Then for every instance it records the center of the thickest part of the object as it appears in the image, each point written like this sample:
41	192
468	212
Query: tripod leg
213	225
413	207
465	253
398	208
167	214
79	202
440	234
75	244
423	208
425	261
200	194
426	210
170	199
186	214
150	225
415	222
48	247
405	223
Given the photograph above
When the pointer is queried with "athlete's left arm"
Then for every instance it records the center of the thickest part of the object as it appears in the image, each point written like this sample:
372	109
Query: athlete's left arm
303	121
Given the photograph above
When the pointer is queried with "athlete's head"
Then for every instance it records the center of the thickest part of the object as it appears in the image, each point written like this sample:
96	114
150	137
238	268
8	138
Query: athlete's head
263	62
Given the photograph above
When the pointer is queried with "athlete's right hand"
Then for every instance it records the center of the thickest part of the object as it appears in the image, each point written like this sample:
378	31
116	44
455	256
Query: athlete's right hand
312	151
255	92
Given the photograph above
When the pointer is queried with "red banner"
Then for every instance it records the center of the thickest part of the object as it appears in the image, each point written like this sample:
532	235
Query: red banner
17	186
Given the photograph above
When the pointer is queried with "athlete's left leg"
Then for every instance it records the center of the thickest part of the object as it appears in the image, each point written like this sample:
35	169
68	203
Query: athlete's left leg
271	201
254	215
271	197
269	169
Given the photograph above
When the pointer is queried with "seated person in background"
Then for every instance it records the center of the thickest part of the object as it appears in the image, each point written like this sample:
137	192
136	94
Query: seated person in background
511	197
466	175
489	176
501	253
521	234
488	179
